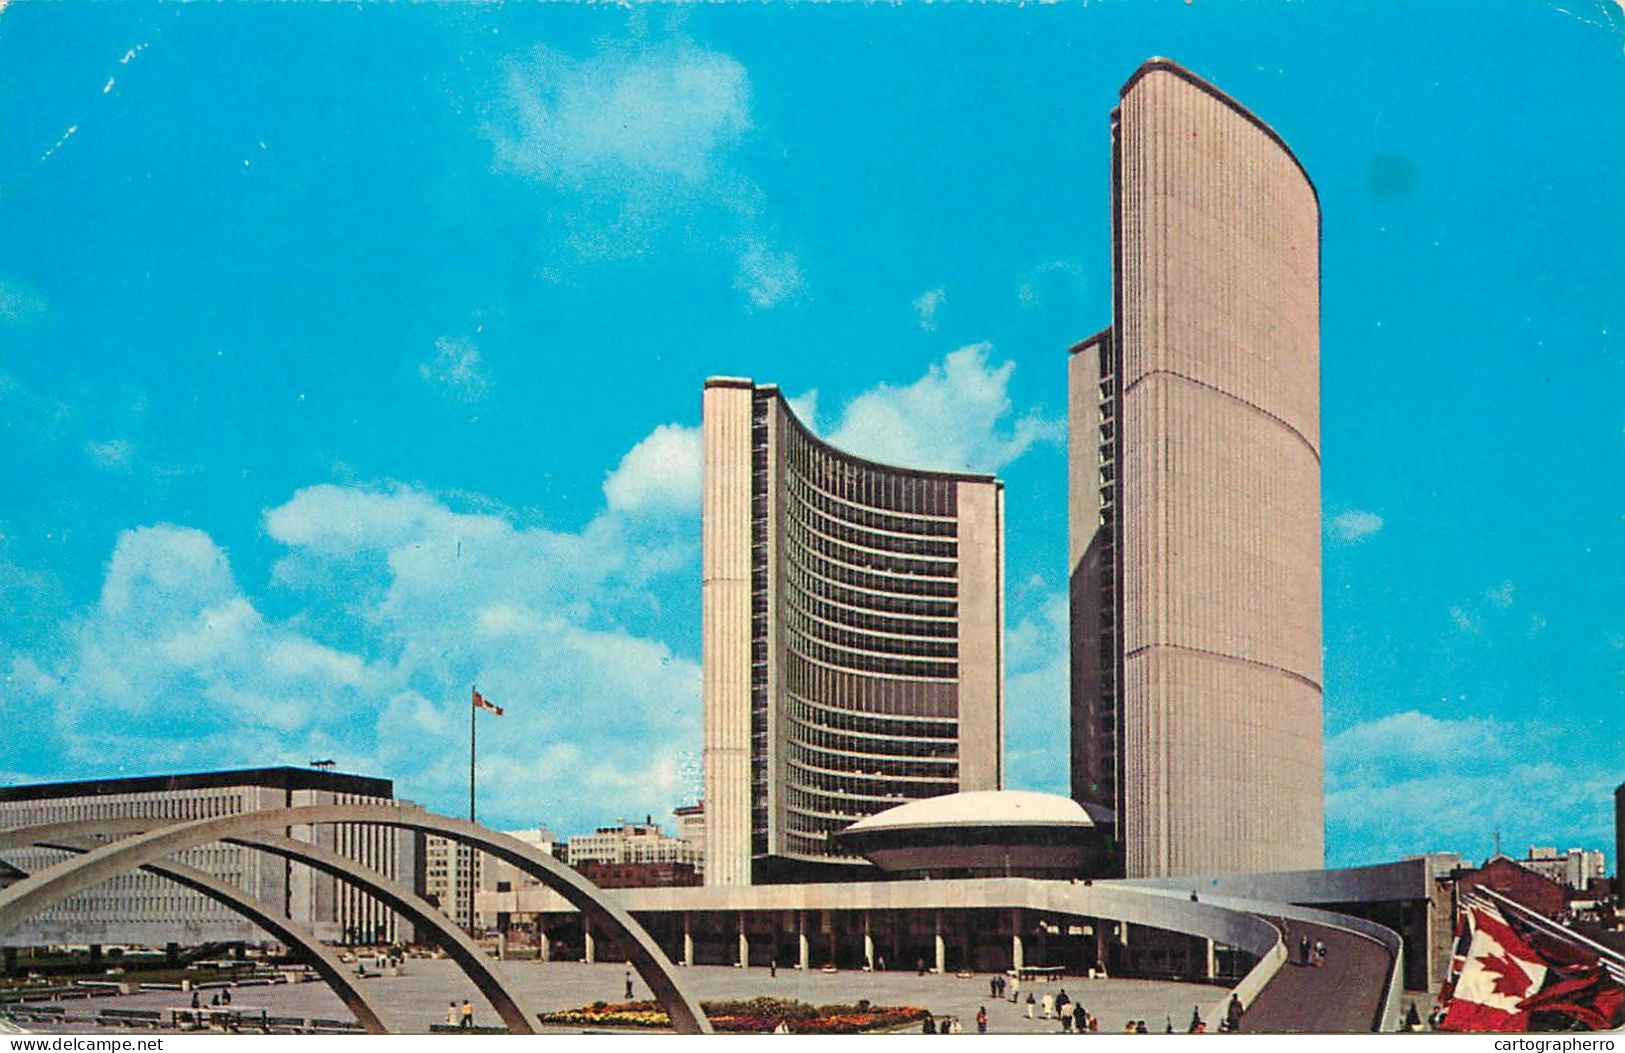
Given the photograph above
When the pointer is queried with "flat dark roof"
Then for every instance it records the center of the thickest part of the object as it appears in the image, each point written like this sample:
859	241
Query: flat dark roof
274	778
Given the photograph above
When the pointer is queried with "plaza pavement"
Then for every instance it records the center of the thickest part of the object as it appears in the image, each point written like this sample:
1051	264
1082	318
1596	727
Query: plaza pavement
414	1002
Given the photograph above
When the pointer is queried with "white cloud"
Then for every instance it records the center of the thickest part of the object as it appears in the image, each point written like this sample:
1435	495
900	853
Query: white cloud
1466	621
926	305
113	454
19	303
1354	525
1412	782
953	418
639	143
1502	596
457	370
1037	687
768	276
660	472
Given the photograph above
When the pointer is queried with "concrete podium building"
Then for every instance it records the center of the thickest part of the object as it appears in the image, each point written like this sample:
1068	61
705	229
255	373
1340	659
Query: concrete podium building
1194	495
142	907
852	638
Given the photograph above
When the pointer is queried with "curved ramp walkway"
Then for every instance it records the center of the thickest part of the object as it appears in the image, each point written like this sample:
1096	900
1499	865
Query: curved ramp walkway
1344	995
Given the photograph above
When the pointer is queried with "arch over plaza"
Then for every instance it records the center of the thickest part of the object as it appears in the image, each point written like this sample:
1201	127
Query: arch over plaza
50	886
324	961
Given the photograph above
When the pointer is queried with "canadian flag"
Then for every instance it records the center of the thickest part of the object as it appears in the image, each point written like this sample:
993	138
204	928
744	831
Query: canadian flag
481	702
1500	971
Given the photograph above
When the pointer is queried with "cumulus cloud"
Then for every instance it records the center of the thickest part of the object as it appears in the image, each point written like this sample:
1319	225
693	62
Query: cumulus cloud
926	305
1354	525
637	146
1037	687
457	370
1413	782
1502	596
661	472
953	418
389	602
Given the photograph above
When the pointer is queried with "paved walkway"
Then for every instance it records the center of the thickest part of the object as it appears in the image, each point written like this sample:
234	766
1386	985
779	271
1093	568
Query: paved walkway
414	1002
1342	996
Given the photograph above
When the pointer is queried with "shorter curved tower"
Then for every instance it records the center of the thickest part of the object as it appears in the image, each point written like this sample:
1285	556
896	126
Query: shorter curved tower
852	640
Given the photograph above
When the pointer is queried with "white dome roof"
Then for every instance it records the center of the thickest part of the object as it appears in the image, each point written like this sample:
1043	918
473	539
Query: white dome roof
979	808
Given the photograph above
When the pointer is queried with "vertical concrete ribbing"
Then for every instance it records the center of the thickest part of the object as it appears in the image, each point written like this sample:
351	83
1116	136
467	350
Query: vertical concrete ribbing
726	630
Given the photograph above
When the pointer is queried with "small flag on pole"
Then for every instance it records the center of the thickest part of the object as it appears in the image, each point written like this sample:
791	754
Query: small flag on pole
481	702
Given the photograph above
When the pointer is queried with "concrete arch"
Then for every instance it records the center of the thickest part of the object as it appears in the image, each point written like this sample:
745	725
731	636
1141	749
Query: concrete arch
462	949
324	961
42	890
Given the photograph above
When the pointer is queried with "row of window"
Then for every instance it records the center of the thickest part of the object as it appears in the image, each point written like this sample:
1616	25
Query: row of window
901	585
881	603
872	702
809	628
891	565
866	484
811	717
875	665
887	624
858	515
807	511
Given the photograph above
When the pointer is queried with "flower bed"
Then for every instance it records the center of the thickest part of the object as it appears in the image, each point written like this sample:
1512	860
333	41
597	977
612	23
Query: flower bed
749	1016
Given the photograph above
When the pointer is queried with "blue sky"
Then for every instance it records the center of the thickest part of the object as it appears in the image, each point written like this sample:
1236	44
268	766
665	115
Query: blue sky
349	356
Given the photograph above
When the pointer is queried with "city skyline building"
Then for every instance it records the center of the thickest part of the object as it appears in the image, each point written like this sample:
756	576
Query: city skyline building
1194	495
852	639
142	907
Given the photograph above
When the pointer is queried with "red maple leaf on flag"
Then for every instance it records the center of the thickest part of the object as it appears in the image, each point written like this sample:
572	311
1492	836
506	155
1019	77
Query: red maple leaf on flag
1510	979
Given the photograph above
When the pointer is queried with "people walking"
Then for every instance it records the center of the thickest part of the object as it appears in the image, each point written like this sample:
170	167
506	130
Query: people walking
1015	989
1303	949
468	1014
1047	1005
629	985
981	1020
929	1027
772	967
1196	1018
451	1014
1031	1003
1320	953
993	987
1080	1018
1063	1009
1233	1013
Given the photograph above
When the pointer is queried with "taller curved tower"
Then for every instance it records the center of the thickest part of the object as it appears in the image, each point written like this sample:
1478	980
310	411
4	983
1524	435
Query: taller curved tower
1195	493
852	637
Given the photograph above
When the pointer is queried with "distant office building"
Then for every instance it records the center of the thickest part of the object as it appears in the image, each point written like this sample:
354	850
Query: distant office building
1195	495
1575	869
627	842
452	871
852	637
641	875
691	828
139	907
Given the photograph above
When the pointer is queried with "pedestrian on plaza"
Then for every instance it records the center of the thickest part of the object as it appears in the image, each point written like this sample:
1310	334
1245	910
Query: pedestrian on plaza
1063	1010
1233	1012
225	996
1080	1018
929	1027
197	1003
451	1014
1141	1029
1413	1020
468	1014
1303	949
1015	989
919	964
1047	1005
880	963
772	967
993	987
981	1021
1320	953
629	985
1196	1019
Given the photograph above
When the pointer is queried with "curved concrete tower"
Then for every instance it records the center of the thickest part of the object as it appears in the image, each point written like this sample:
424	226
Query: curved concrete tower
852	638
1196	495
